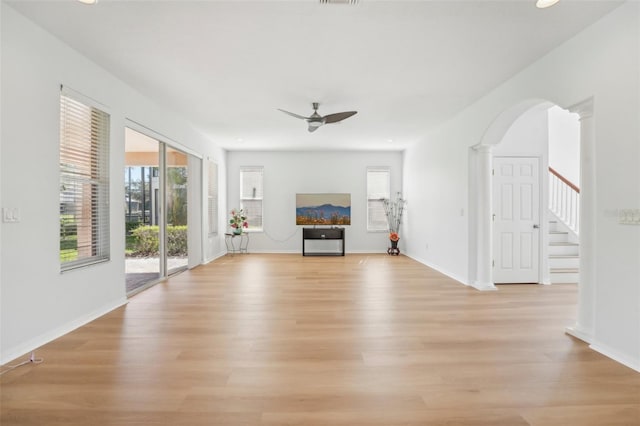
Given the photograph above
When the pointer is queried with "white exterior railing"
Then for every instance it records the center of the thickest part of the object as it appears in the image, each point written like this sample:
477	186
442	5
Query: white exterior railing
564	200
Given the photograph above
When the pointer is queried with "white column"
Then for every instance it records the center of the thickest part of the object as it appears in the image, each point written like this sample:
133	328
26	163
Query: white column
484	237
584	326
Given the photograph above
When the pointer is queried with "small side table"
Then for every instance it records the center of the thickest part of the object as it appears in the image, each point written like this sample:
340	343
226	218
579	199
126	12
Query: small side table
237	243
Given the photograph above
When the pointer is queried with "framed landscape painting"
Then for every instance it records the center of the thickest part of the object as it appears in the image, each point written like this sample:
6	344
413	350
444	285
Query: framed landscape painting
323	209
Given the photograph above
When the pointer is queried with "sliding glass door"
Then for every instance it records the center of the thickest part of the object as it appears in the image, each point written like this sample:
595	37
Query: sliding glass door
156	210
142	210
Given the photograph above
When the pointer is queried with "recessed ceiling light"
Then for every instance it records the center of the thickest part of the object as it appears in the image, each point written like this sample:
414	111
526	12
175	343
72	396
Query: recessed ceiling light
240	140
88	1
541	4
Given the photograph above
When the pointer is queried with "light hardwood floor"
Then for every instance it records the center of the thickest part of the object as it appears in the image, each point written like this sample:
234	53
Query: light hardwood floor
356	340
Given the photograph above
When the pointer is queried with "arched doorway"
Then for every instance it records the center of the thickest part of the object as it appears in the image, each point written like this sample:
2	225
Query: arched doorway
481	200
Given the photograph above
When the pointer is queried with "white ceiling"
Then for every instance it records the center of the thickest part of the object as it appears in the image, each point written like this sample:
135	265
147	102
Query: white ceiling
226	66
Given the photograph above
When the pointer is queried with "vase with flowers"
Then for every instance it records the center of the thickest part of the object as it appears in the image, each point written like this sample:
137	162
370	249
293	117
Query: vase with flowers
394	210
238	221
393	238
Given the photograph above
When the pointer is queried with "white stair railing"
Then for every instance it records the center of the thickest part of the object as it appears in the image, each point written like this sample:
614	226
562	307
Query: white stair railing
564	200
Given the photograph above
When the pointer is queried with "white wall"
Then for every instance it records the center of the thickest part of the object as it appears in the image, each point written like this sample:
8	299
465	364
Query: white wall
288	173
600	62
527	137
436	186
38	303
564	143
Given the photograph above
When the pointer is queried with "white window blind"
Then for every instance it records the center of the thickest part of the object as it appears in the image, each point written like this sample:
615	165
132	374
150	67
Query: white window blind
378	188
212	197
251	193
84	183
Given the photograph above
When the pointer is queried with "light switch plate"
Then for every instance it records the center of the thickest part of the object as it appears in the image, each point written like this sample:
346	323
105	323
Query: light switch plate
10	215
629	216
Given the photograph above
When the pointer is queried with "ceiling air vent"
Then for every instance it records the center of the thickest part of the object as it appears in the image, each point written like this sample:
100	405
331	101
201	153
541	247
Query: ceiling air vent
339	2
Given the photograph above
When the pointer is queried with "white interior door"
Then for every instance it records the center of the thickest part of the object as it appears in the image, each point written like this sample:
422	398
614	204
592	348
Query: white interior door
516	220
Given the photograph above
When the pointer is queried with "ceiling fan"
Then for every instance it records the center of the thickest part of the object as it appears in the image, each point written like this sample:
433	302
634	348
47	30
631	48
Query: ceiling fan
316	120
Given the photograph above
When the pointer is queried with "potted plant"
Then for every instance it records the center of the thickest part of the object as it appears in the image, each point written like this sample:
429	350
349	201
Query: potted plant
238	221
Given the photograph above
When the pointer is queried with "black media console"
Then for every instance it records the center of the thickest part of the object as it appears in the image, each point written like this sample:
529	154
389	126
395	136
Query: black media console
322	234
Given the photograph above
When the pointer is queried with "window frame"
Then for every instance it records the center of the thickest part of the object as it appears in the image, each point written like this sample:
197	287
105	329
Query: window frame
243	198
375	198
83	164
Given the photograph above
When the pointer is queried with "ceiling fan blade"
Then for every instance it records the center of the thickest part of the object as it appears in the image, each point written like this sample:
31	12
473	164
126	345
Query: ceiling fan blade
294	115
339	116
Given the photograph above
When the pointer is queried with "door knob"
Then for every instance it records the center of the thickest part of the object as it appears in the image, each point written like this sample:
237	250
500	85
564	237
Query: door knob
536	226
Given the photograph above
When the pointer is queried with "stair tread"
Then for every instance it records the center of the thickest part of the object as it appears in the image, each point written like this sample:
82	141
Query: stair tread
563	244
559	232
563	256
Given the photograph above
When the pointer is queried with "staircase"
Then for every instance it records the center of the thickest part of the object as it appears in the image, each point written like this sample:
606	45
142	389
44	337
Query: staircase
564	254
563	250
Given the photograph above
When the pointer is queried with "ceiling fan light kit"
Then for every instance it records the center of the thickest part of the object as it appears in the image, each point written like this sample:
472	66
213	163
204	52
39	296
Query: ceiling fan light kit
315	120
543	4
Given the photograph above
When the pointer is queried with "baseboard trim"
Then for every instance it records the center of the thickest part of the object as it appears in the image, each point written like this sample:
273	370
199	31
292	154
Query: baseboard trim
259	251
439	269
33	344
277	252
579	333
615	355
217	256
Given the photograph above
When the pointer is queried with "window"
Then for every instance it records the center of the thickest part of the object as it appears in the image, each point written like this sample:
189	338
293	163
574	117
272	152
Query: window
251	196
378	188
84	183
212	197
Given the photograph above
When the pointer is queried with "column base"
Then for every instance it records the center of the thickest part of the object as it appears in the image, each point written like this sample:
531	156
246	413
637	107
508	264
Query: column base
484	286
